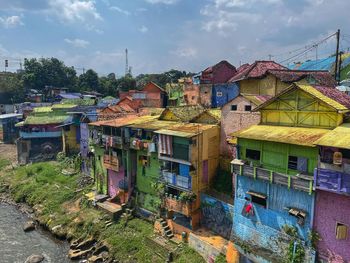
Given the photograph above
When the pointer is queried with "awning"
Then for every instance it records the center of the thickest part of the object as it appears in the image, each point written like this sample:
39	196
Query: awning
176	133
282	134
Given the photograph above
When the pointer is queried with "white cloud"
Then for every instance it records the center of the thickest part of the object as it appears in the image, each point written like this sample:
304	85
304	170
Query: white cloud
143	29
166	2
120	10
80	43
11	21
74	10
185	52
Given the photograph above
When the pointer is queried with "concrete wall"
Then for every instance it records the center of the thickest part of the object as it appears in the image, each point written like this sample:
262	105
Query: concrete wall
216	215
232	121
264	228
330	209
207	251
205	91
191	94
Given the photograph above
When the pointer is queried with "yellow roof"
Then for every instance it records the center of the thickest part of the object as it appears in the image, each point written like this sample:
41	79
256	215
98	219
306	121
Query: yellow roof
290	135
152	125
339	137
313	91
185	129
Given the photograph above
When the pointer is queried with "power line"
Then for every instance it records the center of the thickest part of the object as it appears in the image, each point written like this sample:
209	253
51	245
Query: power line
309	48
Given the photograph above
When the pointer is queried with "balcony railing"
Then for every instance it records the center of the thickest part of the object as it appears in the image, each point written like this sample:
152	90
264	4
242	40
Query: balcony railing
111	162
179	206
298	182
333	181
48	134
174	179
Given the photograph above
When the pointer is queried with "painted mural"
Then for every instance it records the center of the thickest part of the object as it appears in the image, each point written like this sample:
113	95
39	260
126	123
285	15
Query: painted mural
217	215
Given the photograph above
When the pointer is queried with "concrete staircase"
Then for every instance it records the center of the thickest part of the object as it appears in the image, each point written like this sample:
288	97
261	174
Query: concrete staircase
166	229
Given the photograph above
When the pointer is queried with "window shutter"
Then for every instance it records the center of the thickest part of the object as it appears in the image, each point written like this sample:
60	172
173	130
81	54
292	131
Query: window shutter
302	164
341	231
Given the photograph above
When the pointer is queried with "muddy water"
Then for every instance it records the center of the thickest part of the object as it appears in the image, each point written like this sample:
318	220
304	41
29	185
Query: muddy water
16	245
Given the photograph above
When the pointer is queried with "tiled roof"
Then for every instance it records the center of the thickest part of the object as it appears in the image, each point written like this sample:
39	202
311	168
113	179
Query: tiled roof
211	68
335	95
256	70
323	78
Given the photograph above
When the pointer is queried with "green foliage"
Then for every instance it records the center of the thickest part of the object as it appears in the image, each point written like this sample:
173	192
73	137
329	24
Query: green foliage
4	163
314	237
220	259
11	88
89	81
296	250
223	182
187	196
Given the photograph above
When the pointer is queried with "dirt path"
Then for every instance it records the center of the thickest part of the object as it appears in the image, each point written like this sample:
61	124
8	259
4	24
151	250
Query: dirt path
8	152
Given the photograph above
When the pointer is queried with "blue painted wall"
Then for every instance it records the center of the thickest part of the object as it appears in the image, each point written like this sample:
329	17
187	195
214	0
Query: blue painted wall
263	228
217	215
229	91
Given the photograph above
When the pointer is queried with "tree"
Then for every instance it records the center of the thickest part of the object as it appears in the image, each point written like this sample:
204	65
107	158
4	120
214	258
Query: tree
89	81
126	83
11	88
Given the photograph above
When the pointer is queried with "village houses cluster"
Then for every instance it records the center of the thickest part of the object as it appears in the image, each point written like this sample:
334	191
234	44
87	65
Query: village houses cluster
255	154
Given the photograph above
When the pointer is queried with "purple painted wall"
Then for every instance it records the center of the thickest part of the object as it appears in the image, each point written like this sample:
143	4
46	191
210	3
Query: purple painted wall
113	181
332	208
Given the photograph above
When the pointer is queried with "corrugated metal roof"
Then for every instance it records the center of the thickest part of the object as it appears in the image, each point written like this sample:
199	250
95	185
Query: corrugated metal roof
48	119
339	137
152	125
257	99
42	109
185	129
10	115
290	135
124	121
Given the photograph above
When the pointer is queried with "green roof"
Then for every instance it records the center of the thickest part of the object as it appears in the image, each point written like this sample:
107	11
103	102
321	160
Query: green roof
79	102
42	109
63	106
47	119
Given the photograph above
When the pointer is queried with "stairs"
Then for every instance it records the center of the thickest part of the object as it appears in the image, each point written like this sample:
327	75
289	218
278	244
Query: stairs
166	229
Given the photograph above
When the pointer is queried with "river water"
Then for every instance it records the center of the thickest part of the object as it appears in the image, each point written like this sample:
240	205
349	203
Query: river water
16	245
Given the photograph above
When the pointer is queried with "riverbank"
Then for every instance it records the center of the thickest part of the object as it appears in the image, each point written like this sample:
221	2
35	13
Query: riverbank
59	204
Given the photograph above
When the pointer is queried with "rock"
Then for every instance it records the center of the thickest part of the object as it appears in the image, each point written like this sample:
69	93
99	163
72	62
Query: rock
95	259
29	226
34	259
79	254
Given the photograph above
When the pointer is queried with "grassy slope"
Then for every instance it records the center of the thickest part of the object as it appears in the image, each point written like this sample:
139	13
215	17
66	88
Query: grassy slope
56	201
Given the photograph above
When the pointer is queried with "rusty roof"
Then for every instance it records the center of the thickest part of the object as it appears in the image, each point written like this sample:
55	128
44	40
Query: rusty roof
186	129
124	121
184	113
339	137
281	134
256	99
152	125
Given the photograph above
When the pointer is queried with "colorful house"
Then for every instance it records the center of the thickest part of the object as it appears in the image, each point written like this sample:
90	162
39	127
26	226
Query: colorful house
220	73
188	154
151	95
181	113
275	166
115	157
238	114
191	94
8	130
222	93
41	134
332	184
175	93
145	142
270	78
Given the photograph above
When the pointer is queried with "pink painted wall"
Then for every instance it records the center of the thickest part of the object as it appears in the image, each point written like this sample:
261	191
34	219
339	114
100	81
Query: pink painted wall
232	121
113	180
332	208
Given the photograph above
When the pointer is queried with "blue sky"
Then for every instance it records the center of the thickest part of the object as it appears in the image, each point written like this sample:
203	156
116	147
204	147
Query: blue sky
163	34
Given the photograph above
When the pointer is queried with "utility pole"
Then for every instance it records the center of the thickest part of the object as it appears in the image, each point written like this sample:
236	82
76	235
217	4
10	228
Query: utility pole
126	62
270	57
337	57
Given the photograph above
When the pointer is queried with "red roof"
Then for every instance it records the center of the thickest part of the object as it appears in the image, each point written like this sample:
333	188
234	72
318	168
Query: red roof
211	68
323	78
256	70
335	94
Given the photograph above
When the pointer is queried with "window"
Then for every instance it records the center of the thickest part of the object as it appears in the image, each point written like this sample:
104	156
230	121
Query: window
341	231
252	154
257	198
219	94
297	163
183	181
247	107
233	107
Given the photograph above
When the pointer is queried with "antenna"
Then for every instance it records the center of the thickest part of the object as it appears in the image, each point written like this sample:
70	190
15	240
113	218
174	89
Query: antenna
126	62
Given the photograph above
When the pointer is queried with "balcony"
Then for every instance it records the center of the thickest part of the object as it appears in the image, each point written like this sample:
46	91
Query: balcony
298	182
111	162
32	135
173	204
173	179
333	181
